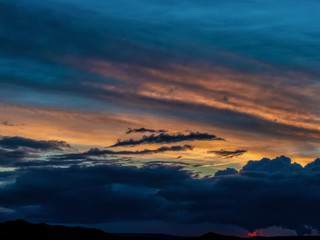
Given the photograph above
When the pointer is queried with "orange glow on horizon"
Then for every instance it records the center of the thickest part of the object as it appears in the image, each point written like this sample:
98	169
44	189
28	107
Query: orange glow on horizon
84	130
252	234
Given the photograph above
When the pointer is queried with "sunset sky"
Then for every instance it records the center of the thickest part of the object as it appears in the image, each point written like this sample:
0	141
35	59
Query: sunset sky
170	116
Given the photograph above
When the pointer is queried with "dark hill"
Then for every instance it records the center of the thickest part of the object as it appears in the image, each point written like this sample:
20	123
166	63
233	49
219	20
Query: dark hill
21	229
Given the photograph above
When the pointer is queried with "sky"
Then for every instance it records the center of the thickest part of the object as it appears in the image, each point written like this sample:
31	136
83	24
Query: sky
172	116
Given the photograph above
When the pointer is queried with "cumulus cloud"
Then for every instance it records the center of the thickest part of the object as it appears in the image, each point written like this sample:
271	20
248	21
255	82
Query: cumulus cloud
228	154
167	138
280	164
313	166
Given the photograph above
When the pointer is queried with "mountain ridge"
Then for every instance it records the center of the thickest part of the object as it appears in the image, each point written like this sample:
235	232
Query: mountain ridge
23	229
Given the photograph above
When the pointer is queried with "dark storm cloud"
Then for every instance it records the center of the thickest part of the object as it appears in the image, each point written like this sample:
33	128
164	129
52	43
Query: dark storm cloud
167	138
228	154
17	142
288	197
144	130
110	186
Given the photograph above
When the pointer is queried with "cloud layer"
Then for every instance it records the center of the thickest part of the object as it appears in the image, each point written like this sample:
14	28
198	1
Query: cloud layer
272	192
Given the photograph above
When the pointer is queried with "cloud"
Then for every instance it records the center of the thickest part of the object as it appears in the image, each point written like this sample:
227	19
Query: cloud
45	34
144	130
9	158
108	184
42	145
167	138
280	164
313	166
225	172
228	154
288	198
26	152
97	152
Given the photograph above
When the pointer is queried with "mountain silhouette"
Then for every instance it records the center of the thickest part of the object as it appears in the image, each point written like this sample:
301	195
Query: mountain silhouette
20	229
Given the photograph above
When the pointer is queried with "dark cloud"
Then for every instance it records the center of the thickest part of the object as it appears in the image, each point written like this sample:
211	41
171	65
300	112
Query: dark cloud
313	166
228	154
107	184
25	152
144	130
95	194
150	151
227	171
280	164
9	158
42	145
95	152
167	138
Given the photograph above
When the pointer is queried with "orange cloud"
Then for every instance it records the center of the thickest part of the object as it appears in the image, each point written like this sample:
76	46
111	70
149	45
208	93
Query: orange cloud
273	99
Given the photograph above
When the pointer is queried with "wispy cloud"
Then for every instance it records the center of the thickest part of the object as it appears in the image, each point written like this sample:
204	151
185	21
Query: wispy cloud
97	152
228	154
168	138
144	130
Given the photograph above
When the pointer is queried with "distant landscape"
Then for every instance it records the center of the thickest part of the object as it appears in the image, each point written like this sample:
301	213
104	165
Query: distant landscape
23	229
